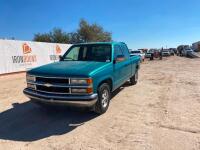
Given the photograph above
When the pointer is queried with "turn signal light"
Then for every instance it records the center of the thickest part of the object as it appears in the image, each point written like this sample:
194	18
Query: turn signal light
89	90
89	81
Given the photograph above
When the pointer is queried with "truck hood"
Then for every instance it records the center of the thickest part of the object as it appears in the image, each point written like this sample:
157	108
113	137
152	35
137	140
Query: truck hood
68	69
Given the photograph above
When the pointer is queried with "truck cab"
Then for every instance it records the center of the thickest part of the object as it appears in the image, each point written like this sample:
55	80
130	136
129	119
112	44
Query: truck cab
85	76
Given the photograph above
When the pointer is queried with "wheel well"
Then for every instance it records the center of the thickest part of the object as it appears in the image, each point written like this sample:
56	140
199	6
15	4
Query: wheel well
109	81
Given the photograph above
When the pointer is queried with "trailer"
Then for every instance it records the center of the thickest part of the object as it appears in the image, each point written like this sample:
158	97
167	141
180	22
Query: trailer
196	46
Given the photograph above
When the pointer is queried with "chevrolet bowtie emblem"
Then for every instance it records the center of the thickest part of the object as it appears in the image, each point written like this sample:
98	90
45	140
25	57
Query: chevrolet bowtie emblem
48	85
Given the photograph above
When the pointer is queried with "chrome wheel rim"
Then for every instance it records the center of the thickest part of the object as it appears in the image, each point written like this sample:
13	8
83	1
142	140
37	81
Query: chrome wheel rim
105	98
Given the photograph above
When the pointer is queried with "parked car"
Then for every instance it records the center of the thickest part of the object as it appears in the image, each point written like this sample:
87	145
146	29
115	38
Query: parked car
85	76
157	53
187	51
149	53
153	53
138	53
172	51
165	52
181	48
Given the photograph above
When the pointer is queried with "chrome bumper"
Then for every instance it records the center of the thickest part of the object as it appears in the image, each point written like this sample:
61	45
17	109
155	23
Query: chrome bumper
80	101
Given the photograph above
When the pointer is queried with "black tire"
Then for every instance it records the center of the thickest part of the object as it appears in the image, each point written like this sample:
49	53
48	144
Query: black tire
134	79
104	96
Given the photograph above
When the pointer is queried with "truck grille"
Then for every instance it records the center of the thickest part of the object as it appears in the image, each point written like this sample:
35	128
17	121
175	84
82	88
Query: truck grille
54	85
52	80
61	90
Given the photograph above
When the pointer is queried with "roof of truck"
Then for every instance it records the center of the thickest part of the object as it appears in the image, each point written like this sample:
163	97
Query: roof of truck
100	43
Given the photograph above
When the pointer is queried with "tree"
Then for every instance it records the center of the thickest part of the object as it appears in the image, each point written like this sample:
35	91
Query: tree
85	33
59	36
74	38
55	36
42	37
93	33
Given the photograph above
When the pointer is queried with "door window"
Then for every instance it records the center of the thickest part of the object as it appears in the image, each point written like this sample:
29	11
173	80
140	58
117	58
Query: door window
125	51
118	51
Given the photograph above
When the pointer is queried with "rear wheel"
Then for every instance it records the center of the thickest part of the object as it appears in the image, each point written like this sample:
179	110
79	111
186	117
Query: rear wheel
134	79
103	99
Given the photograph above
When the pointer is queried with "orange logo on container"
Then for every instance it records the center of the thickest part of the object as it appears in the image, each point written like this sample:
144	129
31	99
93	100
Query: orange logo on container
25	59
26	48
58	49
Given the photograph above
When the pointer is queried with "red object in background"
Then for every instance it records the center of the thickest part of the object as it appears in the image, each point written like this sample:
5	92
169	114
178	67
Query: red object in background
156	54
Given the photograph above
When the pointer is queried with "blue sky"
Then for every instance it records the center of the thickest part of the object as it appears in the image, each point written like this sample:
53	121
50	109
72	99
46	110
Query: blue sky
139	23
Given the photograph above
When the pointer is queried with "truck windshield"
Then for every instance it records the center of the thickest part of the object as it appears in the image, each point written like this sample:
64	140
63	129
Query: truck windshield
91	52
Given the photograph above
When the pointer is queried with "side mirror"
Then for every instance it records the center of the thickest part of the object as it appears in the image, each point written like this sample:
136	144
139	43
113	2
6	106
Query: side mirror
119	58
60	58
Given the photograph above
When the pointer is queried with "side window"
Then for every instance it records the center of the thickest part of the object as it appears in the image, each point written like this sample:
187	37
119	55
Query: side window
125	51
118	51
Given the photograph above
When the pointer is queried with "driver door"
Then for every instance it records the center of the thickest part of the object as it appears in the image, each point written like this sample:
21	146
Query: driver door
118	67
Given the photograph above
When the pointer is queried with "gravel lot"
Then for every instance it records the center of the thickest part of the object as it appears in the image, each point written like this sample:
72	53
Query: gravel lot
162	112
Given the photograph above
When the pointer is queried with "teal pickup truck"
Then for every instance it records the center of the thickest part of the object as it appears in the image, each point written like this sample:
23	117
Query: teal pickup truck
85	76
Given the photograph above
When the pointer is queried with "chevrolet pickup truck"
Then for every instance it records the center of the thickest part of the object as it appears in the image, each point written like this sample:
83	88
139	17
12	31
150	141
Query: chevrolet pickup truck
85	76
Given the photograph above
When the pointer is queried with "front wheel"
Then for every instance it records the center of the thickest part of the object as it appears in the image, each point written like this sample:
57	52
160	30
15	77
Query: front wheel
103	98
134	79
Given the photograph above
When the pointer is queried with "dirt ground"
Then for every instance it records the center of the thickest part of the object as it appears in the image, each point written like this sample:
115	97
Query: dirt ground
162	112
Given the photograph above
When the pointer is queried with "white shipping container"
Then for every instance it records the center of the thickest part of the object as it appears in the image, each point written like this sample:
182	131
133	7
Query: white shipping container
16	56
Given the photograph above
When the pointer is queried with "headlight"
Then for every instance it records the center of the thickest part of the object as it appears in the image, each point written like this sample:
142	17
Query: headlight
82	91
30	78
81	81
